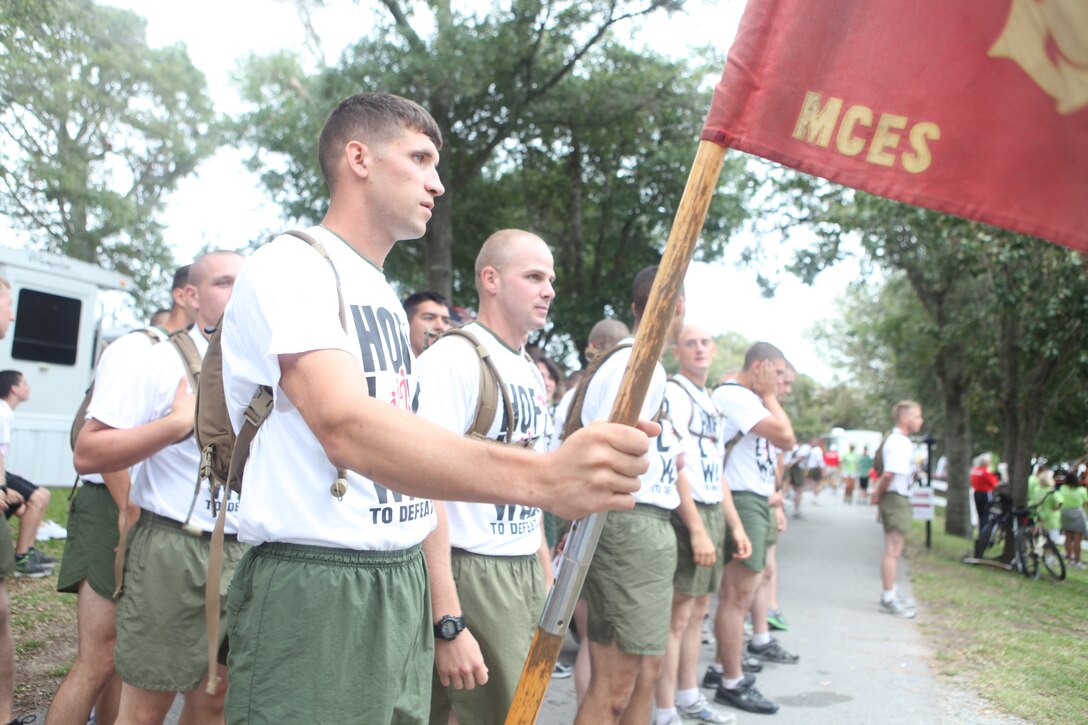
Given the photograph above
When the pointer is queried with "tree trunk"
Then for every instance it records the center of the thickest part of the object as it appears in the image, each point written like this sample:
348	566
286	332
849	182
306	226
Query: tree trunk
438	247
957	440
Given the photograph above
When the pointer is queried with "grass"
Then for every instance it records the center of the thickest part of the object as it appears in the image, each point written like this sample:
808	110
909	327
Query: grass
43	622
1022	643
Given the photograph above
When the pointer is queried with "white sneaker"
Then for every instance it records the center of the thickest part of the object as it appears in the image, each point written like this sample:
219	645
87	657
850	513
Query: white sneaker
51	530
899	608
701	711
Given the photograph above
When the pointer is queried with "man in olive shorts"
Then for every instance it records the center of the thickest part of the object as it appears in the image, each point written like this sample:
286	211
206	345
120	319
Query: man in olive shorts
330	617
700	525
489	566
628	587
87	567
750	407
892	495
147	419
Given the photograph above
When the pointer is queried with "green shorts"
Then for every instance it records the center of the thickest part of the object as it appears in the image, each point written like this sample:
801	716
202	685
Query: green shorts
755	516
692	580
815	474
162	638
7	551
628	586
772	526
329	635
90	548
896	512
501	598
797	476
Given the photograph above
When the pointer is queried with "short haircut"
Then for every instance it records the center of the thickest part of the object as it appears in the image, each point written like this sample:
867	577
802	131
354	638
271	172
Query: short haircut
8	380
181	277
900	409
761	351
606	333
374	119
414	300
196	269
640	288
495	251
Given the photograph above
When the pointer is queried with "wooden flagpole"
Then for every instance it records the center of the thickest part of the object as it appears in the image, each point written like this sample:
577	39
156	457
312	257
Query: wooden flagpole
649	343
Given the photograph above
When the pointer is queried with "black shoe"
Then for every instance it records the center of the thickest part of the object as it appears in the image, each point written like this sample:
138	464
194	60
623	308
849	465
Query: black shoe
745	697
712	678
41	558
773	652
750	664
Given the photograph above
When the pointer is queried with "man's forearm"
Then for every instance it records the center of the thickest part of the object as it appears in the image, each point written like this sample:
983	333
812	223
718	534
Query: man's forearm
102	448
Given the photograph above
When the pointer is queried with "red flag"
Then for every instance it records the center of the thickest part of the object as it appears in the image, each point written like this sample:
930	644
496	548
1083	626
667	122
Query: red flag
978	108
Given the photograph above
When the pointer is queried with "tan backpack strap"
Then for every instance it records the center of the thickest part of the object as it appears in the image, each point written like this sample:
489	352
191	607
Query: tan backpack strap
211	590
729	447
321	250
574	415
190	356
491	390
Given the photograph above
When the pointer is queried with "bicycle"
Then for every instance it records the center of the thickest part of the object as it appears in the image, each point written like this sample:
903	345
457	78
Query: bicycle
1044	548
1032	545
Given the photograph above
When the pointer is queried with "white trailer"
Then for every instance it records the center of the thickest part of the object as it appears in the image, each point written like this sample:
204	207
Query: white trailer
54	343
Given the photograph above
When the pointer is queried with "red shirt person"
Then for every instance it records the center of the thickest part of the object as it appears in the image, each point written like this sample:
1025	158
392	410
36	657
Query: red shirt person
983	482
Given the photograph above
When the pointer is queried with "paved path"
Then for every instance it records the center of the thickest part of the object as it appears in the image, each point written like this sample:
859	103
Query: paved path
858	665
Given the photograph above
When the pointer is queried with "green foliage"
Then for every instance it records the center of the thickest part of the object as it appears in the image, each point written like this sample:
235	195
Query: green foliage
549	125
98	129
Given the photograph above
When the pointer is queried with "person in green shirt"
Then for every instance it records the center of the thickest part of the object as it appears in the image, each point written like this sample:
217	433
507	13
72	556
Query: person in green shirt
865	464
850	471
1041	493
1074	519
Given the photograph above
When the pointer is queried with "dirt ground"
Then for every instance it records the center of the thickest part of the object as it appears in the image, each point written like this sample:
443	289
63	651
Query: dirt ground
44	629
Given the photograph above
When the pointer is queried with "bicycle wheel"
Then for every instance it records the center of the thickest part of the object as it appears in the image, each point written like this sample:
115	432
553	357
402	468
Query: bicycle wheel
1025	553
991	540
1052	559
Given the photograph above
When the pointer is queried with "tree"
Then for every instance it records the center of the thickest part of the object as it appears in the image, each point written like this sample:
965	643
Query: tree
484	77
997	318
98	128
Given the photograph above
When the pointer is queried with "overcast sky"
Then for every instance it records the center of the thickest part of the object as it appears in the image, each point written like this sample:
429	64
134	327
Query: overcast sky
222	204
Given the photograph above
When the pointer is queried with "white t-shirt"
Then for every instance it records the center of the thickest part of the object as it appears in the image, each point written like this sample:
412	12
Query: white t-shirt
7	416
699	425
815	458
657	488
751	464
119	362
559	418
449	389
897	455
284	302
163	483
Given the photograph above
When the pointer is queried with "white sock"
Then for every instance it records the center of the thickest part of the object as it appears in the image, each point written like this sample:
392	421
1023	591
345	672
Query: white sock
663	715
761	639
890	594
717	667
687	698
731	684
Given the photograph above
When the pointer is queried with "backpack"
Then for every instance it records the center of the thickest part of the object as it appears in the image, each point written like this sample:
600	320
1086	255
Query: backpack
155	335
732	442
491	387
223	454
574	415
878	457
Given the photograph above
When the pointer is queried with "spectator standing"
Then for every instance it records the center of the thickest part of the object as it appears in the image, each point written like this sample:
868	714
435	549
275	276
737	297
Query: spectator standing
865	465
1074	521
983	483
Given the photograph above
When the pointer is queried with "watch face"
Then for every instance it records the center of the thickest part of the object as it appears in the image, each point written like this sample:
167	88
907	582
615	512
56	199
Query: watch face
449	628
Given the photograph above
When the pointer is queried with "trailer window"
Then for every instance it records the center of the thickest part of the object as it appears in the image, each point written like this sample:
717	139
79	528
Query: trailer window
46	328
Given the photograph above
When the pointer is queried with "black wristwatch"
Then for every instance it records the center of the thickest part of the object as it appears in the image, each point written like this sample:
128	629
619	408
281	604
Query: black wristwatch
449	627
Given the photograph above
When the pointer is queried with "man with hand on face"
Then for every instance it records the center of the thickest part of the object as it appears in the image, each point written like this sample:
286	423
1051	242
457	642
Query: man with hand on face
751	408
485	613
